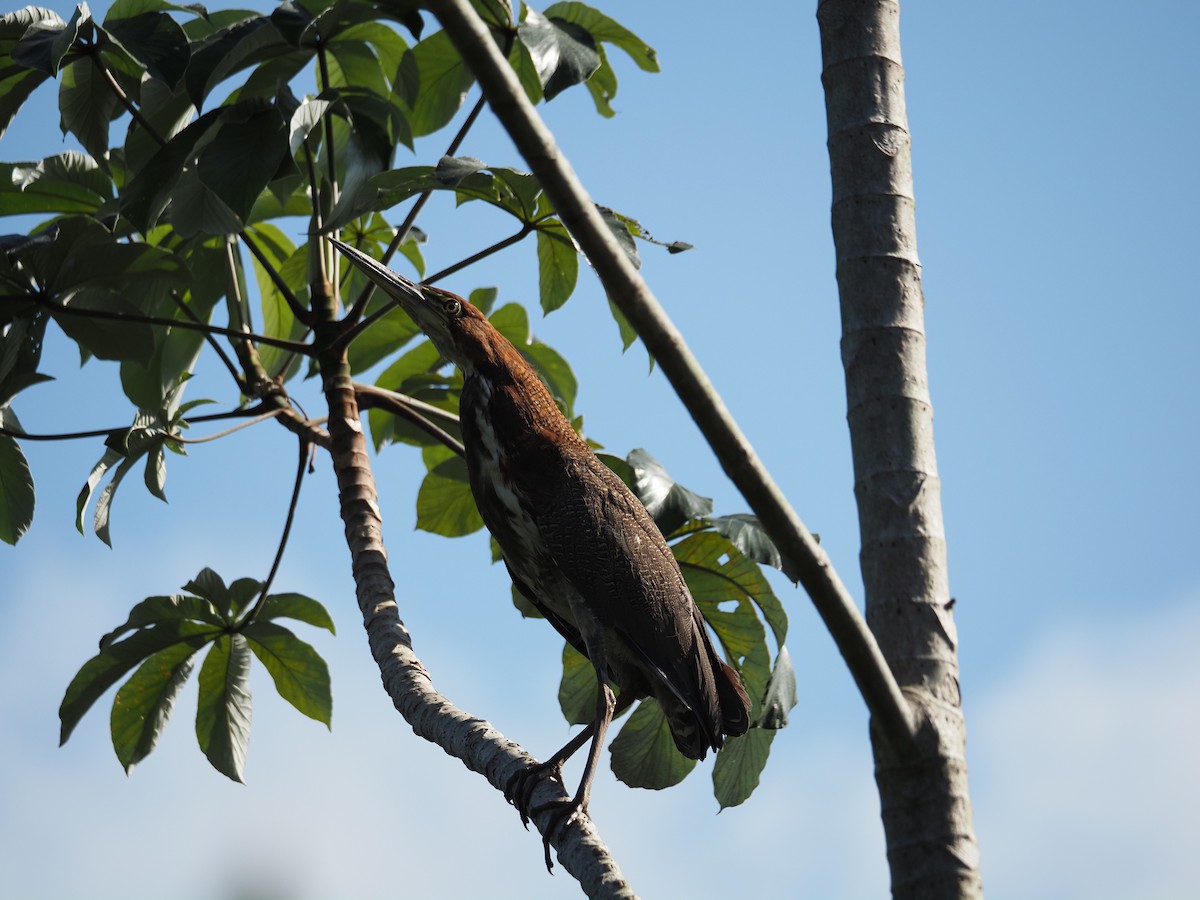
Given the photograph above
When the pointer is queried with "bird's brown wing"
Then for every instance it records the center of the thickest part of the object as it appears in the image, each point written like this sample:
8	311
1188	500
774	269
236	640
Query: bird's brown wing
605	543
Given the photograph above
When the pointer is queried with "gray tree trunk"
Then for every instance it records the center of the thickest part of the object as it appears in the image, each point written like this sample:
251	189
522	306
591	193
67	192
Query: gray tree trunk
925	804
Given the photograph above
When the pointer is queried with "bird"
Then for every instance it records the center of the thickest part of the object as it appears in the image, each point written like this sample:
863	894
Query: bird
578	544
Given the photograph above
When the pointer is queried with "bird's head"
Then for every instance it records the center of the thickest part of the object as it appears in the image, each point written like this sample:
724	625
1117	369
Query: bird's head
461	333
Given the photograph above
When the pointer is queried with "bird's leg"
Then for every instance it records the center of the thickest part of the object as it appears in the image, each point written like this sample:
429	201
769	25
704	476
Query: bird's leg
565	810
519	789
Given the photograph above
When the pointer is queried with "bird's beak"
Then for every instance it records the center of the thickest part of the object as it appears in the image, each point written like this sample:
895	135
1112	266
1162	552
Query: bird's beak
420	302
395	286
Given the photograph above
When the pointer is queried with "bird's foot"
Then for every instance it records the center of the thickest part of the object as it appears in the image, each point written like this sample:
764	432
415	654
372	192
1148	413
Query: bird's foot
562	812
519	792
520	786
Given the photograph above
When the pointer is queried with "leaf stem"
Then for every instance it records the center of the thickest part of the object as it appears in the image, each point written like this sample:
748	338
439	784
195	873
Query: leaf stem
287	530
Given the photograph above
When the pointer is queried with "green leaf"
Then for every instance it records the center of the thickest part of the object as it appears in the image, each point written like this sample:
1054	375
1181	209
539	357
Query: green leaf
154	39
564	53
17	79
211	586
726	586
20	355
144	703
644	753
87	105
64	184
445	504
150	190
670	503
739	765
444	79
244	39
278	319
104	669
158	610
780	698
44	38
16	490
522	603
223	713
558	265
301	676
746	533
107	461
406	375
296	606
578	689
602	28
237	164
603	83
625	328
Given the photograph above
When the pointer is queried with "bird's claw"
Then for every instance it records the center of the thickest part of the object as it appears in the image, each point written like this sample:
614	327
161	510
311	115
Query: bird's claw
562	813
519	792
519	788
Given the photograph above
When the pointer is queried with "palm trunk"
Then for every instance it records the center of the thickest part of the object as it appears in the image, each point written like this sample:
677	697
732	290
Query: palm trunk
925	803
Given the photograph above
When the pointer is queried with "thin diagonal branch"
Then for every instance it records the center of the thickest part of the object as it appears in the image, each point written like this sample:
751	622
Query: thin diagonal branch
804	559
56	308
405	408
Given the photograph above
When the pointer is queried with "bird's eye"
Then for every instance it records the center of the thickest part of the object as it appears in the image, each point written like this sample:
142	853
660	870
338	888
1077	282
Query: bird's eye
451	307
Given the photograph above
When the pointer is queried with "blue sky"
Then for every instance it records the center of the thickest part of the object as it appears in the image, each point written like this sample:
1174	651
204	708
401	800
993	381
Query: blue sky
1057	192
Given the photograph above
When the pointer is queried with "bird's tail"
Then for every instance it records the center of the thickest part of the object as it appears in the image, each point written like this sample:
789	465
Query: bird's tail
735	702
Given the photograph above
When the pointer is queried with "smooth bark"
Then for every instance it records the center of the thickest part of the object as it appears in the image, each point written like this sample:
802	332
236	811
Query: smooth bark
924	798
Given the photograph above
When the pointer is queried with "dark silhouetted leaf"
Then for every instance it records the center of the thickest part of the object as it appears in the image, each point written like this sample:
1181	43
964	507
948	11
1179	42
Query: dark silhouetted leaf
563	52
160	609
670	503
16	490
746	533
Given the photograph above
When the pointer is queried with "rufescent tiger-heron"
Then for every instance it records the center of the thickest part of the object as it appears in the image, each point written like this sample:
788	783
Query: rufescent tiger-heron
578	544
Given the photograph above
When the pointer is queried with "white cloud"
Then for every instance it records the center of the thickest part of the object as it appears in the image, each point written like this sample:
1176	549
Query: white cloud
1083	762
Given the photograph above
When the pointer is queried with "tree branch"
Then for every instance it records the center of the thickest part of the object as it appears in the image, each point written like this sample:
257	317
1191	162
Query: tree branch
432	716
804	559
406	408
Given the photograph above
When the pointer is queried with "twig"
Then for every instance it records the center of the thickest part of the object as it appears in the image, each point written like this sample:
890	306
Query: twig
287	530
